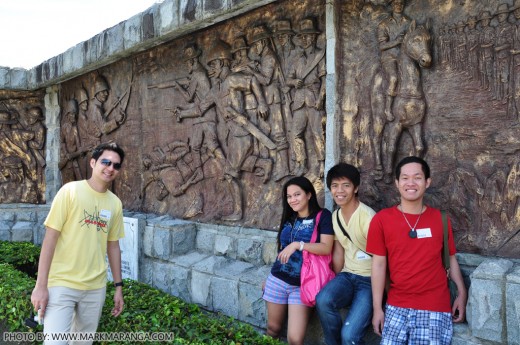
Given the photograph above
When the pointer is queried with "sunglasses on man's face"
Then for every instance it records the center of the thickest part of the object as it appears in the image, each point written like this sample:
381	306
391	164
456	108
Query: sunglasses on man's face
108	163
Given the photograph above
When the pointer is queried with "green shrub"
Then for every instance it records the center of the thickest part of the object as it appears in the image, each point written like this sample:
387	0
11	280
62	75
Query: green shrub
150	310
15	297
22	255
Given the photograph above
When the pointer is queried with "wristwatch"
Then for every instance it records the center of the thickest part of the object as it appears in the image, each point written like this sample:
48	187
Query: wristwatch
119	284
301	245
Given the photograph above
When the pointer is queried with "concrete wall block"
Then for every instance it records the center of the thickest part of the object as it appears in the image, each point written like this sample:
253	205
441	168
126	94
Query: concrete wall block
225	296
25	216
146	270
190	11
7	216
485	310
200	288
513	306
162	275
5	78
180	283
168	16
183	238
148	240
189	259
225	245
210	7
233	269
252	307
269	252
161	243
22	231
210	264
205	240
18	78
115	39
249	250
5	234
132	34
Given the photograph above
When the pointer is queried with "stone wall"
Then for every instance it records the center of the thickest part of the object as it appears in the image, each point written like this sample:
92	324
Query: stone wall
222	268
215	265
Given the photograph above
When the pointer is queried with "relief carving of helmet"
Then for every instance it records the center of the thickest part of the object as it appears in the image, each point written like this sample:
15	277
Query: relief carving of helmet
503	8
238	44
71	107
307	27
259	32
100	85
221	50
81	95
5	118
191	51
283	26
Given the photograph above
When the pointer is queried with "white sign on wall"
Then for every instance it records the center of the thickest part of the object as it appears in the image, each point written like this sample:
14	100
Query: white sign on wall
129	250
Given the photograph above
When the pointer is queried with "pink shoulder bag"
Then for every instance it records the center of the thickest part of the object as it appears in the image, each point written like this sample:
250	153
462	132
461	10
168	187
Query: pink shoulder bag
316	271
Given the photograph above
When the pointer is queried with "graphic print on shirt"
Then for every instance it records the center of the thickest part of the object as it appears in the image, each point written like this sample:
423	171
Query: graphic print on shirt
98	219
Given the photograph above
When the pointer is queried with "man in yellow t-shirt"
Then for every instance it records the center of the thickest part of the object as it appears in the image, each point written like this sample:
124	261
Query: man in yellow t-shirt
83	226
351	287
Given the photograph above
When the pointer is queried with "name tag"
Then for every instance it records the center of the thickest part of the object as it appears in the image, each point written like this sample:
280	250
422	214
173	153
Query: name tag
307	221
424	233
105	214
362	255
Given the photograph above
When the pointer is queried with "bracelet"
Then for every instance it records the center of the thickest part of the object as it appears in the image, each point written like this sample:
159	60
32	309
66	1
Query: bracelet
301	245
119	284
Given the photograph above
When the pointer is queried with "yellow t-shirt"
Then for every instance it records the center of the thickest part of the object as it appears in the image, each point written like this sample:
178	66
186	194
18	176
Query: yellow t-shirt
87	220
356	261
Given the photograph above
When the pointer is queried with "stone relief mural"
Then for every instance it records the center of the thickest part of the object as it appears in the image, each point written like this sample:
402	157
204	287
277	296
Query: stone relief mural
214	123
442	83
22	147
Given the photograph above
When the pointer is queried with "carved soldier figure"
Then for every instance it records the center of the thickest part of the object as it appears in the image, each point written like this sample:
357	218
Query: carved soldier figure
285	48
240	60
204	126
87	130
70	143
472	45
504	43
390	33
12	181
462	53
226	95
270	76
307	76
487	42
14	142
100	116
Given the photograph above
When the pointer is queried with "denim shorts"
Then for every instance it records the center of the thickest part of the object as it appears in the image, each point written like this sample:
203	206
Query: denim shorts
416	327
279	292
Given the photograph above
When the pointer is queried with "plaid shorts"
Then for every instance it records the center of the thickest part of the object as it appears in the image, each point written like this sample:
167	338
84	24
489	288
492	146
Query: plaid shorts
416	327
279	292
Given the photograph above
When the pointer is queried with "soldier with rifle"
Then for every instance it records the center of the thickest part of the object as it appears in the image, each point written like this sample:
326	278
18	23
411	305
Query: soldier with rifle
227	96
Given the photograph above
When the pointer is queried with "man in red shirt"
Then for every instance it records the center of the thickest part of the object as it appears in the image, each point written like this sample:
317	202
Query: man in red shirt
408	239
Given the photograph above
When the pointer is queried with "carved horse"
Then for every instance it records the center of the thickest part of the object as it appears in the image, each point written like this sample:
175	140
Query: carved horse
409	106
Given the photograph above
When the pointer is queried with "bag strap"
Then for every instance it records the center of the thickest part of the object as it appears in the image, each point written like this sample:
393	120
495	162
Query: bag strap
344	231
316	223
445	248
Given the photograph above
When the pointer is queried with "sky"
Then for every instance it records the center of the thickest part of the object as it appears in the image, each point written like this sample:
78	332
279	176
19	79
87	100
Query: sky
33	31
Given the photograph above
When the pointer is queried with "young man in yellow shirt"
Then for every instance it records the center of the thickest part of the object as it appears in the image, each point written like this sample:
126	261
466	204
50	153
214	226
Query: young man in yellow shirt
351	287
83	226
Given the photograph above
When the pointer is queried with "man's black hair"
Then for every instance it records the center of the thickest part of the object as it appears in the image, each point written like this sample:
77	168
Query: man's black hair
412	159
342	170
98	151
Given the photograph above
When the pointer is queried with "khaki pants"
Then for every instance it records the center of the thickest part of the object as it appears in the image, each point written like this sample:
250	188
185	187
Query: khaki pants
72	310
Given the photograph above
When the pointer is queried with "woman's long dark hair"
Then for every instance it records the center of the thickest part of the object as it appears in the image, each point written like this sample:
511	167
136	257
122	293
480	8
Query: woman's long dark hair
288	213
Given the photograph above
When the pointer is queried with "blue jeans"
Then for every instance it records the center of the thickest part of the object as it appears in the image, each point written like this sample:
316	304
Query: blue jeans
345	290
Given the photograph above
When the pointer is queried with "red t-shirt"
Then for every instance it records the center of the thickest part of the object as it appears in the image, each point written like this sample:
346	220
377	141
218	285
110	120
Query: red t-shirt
417	275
